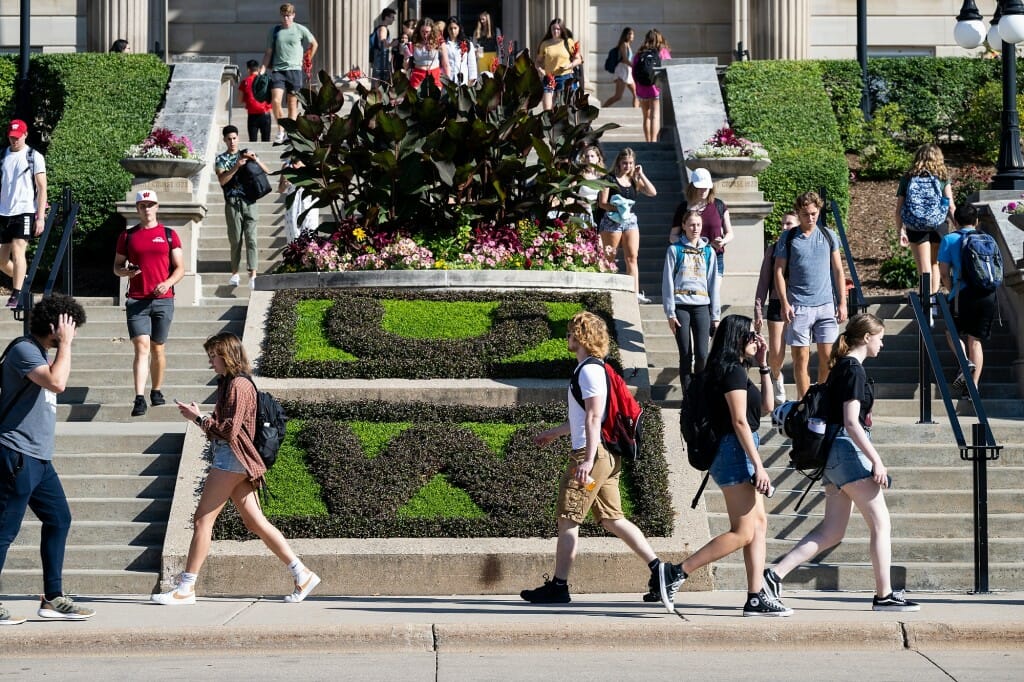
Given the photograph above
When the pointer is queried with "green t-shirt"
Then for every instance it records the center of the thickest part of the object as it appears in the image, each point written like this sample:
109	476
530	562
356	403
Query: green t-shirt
290	41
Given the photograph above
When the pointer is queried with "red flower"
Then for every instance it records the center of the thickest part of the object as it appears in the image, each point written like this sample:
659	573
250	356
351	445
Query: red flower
501	39
464	47
494	64
549	81
575	50
307	63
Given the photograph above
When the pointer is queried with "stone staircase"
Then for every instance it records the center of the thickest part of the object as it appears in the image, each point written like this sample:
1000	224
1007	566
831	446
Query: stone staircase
119	472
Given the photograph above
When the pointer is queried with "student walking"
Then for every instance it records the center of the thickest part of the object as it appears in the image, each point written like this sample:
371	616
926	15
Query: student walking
591	478
619	224
689	296
715	218
236	473
558	55
286	47
240	215
647	92
22	205
973	304
807	268
462	61
624	69
257	112
28	420
149	255
426	52
854	474
768	307
736	409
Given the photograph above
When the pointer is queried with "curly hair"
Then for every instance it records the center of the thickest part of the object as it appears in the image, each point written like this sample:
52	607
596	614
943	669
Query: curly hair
229	348
46	314
928	160
857	328
591	332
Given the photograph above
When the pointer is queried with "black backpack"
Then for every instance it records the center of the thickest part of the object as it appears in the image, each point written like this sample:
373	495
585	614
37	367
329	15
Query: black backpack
271	422
12	475
810	434
695	423
645	71
254	182
612	60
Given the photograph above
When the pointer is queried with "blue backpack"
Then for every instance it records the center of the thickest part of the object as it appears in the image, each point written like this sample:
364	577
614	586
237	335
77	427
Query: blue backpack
981	264
924	206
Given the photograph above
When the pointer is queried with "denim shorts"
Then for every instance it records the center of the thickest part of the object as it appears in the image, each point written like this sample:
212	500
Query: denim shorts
846	463
731	465
225	460
609	225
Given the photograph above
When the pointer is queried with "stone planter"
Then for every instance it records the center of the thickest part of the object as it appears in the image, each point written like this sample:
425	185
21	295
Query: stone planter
1017	219
162	168
738	166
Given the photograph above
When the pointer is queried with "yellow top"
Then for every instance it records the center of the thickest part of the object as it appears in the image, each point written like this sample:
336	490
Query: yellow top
553	57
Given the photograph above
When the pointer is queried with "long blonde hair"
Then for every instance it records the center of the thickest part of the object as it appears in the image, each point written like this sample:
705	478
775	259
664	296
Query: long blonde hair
928	159
478	33
857	328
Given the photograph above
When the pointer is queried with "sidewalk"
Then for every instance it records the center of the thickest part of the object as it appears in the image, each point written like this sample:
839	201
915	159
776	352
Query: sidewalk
128	625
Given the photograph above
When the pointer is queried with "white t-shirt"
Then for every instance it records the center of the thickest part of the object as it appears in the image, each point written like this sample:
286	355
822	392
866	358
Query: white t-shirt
17	191
592	383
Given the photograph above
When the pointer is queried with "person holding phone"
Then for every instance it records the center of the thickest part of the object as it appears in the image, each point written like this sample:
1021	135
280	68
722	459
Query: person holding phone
236	473
628	181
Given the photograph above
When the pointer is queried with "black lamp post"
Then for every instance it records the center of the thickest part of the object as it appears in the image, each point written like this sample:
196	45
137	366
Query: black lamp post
862	56
22	99
1007	29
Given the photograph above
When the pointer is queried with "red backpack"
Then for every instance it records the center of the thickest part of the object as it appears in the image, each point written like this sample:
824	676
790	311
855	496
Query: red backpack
621	430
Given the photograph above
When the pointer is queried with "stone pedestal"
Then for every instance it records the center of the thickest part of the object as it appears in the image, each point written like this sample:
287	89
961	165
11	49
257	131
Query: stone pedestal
342	29
180	212
779	29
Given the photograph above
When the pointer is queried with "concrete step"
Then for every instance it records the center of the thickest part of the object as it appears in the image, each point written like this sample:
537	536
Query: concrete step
118	464
140	436
96	557
122	376
107	395
82	581
180	341
120	354
944	577
87	532
122	509
120	412
99	316
115	485
908	501
219	290
794	526
673	391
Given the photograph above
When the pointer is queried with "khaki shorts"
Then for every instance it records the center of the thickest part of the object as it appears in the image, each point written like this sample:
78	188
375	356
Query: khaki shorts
574	502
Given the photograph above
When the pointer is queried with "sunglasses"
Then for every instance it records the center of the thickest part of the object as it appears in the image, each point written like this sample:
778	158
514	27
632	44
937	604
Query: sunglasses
749	337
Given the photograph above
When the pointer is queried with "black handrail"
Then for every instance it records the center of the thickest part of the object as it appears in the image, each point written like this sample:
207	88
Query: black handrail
983	445
65	213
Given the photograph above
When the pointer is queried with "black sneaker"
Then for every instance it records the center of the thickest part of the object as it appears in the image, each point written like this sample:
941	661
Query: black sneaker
139	408
772	584
653	591
959	386
766	606
548	593
156	398
895	601
670	579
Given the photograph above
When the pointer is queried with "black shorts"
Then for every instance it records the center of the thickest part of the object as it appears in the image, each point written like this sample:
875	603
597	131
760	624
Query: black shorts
289	81
973	314
922	236
21	226
774	311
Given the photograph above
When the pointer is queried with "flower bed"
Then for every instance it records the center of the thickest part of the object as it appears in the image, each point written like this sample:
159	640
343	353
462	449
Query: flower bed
524	335
725	143
430	470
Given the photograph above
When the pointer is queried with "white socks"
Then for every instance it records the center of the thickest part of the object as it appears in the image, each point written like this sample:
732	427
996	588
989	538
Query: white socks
298	570
187	582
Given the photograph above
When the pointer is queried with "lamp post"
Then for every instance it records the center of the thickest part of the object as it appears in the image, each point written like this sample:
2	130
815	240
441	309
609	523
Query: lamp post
862	56
1006	29
22	101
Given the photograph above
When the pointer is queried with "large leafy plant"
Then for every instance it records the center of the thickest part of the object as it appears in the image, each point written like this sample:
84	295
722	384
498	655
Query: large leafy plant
424	160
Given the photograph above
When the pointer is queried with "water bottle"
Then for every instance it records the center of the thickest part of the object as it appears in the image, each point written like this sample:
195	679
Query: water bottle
590	483
816	426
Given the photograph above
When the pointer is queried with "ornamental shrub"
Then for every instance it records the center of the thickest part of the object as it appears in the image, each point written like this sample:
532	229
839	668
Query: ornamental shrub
980	124
888	139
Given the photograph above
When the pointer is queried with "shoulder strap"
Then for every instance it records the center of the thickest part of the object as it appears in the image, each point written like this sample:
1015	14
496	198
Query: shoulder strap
678	246
707	260
720	205
574	383
24	384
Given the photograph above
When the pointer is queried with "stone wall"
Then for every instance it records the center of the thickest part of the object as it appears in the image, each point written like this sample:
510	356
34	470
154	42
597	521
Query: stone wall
56	25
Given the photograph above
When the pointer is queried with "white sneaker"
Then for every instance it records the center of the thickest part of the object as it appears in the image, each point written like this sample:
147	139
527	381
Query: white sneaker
281	138
252	282
235	280
641	298
174	597
302	591
780	390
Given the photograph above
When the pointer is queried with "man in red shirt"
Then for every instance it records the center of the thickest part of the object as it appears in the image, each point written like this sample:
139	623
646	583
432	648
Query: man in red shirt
259	112
150	256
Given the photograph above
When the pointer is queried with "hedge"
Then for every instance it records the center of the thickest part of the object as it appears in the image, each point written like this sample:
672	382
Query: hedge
521	321
510	494
89	108
782	105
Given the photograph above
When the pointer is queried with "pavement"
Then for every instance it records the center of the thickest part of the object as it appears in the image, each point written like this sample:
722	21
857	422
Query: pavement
131	625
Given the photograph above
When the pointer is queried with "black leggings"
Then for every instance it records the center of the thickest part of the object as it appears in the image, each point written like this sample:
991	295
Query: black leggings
692	338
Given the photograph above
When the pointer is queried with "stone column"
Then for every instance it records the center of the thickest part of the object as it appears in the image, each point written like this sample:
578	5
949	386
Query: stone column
343	31
779	29
575	15
108	20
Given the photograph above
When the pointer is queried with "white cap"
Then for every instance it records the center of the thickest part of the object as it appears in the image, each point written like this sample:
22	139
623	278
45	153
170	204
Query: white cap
701	178
146	195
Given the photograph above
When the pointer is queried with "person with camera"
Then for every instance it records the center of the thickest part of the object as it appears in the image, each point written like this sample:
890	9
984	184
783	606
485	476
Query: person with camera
240	214
150	256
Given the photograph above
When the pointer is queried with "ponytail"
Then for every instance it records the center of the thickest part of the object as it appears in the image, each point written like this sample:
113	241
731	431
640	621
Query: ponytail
857	328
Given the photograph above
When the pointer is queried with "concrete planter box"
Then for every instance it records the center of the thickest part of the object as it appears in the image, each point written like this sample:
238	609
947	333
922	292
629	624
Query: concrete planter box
162	168
729	166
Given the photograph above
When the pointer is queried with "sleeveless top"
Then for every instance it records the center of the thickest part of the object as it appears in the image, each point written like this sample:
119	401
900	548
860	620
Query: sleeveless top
424	57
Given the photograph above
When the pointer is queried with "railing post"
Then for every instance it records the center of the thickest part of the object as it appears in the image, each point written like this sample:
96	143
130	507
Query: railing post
924	368
980	461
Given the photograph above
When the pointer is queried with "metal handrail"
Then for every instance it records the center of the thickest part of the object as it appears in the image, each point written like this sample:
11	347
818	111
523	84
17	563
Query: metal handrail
66	213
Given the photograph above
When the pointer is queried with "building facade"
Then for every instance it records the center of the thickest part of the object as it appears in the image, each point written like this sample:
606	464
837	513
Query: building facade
767	29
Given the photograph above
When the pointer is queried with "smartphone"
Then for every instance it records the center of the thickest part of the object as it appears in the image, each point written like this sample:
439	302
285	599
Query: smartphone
131	267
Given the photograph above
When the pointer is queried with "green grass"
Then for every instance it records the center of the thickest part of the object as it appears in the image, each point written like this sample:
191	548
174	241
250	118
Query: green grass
440	499
437	319
294	492
554	348
495	436
375	436
310	342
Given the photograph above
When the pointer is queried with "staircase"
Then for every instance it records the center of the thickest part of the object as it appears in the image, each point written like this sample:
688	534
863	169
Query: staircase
119	472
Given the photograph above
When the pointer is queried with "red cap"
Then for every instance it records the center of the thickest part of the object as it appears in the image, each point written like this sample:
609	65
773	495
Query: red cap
18	128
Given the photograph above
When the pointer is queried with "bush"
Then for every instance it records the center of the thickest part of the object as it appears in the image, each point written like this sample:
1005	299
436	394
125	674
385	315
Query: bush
89	108
888	139
438	448
523	324
783	105
980	124
843	85
898	271
969	180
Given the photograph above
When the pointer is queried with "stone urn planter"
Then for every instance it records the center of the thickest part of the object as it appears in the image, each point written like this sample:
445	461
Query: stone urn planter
736	166
1017	220
162	168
